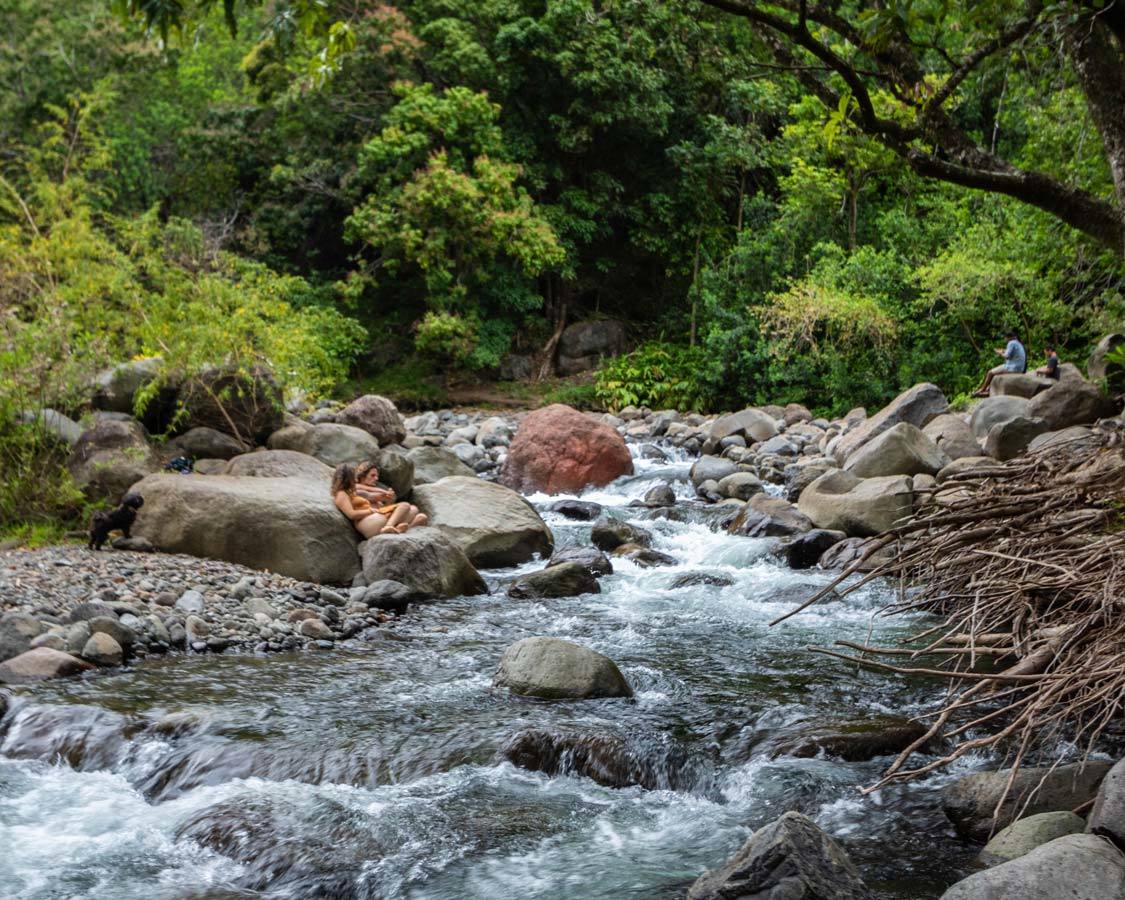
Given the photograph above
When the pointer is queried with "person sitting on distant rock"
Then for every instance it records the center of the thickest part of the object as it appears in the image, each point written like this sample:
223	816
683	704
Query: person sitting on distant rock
1051	369
367	486
367	520
1015	360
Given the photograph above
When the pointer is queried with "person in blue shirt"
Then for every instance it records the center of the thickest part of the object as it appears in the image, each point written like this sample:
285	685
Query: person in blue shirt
1015	360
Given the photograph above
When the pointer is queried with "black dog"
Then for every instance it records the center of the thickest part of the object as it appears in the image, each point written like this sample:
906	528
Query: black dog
102	523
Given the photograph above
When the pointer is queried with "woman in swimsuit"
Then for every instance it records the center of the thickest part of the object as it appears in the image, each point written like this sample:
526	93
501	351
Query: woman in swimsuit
400	516
363	516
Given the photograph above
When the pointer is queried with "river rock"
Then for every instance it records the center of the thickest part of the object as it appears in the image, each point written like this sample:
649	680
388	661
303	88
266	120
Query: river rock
977	465
849	551
840	501
697	579
494	432
396	470
595	562
122	634
559	450
334	444
798	476
854	740
805	550
645	557
969	802
202	442
103	650
553	669
1066	440
377	416
17	630
752	423
285	525
1072	401
278	464
567	579
1075	867
584	344
110	456
765	516
247	405
425	560
1007	440
579	510
711	468
609	534
740	485
789	859
1107	818
952	435
659	495
994	410
435	463
492	524
40	664
392	596
1019	384
916	406
1024	835
900	450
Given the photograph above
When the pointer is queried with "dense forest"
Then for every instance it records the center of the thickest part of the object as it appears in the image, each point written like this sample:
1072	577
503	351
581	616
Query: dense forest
781	202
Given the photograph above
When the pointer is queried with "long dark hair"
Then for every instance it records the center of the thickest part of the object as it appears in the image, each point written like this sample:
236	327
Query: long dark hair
343	479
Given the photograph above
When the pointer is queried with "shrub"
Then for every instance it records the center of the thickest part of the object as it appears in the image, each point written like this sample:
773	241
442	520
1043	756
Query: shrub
656	375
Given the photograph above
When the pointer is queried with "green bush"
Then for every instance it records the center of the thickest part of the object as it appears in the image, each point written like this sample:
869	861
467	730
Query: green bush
656	375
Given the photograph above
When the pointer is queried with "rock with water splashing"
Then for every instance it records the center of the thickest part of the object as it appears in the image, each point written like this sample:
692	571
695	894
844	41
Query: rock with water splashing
553	669
39	665
558	450
580	510
854	740
424	560
789	859
565	580
609	533
596	562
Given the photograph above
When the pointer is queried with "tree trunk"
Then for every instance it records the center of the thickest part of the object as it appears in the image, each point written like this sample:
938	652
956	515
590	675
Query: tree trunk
853	208
559	309
695	285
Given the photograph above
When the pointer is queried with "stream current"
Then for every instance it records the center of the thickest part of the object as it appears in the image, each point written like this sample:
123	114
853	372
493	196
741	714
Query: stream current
376	772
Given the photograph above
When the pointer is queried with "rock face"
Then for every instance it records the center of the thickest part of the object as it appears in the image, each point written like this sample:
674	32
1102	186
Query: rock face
559	450
1024	835
434	463
900	450
952	435
994	410
423	559
859	507
492	524
39	664
789	859
1072	401
1107	818
969	802
554	669
245	405
764	516
584	344
279	464
915	406
568	579
1076	866
1007	440
110	456
751	423
286	525
377	416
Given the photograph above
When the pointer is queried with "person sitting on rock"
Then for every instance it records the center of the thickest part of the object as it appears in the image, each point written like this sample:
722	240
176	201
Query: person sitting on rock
1051	369
367	520
1015	360
367	486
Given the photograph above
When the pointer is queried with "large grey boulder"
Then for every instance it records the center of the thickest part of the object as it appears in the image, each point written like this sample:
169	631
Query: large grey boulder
115	389
952	435
765	516
1074	867
915	406
377	416
553	669
971	801
609	533
568	579
279	464
994	410
285	525
1019	384
583	344
39	664
740	485
1072	401
423	559
900	450
1007	440
492	524
17	631
751	423
110	456
245	404
334	444
1024	835
839	501
52	422
711	468
789	859
1066	440
202	442
1107	818
591	558
435	463
978	466
396	470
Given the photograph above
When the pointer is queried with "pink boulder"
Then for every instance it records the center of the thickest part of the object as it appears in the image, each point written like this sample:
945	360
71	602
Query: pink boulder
560	450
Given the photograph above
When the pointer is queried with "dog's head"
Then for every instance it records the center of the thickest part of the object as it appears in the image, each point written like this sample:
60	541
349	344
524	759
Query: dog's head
132	501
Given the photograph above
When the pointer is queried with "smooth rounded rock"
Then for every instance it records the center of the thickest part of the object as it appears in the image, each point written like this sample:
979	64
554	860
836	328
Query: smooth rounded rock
553	669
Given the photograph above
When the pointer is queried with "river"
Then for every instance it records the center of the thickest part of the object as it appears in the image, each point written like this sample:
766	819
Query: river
374	771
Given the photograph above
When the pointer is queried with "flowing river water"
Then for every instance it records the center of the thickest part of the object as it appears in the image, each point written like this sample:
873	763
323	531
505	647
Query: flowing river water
375	771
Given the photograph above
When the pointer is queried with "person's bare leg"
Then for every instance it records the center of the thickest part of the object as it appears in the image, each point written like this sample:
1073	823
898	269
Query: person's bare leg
371	525
419	520
399	518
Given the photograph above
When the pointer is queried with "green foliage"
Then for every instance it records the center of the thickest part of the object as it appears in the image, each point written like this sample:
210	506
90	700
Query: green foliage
655	375
36	492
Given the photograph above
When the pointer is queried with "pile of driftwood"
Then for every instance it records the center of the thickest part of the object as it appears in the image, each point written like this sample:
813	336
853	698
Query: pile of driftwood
1024	564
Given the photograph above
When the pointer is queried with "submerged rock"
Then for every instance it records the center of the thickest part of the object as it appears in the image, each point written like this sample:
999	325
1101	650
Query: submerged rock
854	740
789	859
553	669
695	579
577	509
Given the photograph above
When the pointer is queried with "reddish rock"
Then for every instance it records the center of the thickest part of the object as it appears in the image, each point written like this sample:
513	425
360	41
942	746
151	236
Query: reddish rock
559	450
